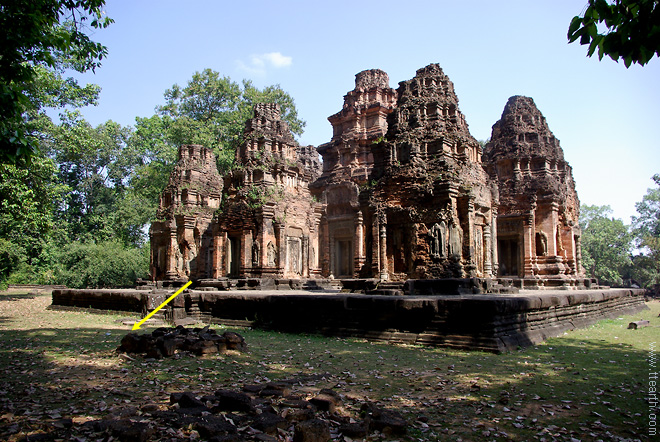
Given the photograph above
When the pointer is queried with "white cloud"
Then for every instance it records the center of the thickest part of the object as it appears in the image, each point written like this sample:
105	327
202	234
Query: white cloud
260	63
278	60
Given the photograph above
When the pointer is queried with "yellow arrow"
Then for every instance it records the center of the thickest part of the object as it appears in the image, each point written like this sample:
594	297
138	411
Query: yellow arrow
137	325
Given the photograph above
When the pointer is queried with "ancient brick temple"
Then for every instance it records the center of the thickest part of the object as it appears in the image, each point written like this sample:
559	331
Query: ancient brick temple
404	191
538	232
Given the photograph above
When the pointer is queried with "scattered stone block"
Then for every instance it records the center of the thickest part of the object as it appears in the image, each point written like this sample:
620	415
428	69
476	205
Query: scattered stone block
638	324
299	414
164	342
354	430
211	426
313	430
383	420
131	343
186	400
276	389
233	401
326	400
235	341
124	430
240	416
270	422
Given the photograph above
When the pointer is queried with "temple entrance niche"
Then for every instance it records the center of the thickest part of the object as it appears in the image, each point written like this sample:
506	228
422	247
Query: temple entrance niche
397	244
232	256
342	247
295	253
294	257
508	250
400	231
343	257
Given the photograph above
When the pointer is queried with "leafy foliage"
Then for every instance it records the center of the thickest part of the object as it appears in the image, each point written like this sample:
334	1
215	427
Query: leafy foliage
211	110
646	229
633	30
44	34
606	244
27	198
102	264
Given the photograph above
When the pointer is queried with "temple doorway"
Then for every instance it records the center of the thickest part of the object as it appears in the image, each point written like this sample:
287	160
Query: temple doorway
344	258
232	256
508	250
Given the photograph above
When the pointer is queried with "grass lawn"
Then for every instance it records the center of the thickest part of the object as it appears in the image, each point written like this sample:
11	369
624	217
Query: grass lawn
587	385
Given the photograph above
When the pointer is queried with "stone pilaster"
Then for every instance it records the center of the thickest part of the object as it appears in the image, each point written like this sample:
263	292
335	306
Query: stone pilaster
384	272
488	266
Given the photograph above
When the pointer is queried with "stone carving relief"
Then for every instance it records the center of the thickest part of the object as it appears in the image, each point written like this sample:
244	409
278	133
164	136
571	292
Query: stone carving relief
541	244
178	256
255	253
272	254
294	255
455	240
438	234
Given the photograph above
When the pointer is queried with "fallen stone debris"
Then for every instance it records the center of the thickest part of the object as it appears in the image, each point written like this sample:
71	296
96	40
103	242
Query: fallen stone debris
165	342
269	412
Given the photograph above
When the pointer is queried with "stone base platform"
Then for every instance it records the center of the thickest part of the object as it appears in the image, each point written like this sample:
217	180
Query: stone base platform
489	322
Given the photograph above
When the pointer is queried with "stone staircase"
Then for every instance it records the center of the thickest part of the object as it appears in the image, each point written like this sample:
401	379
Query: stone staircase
389	288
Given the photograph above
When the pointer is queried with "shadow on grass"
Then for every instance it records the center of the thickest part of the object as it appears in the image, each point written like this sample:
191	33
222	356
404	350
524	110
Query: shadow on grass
585	389
17	296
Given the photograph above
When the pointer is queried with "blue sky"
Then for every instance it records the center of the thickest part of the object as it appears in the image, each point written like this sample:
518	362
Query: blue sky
606	116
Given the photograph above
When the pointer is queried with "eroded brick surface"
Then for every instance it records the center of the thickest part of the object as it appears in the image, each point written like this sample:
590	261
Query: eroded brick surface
403	191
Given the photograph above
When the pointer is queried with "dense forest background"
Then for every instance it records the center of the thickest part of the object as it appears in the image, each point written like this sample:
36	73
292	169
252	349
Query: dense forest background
76	201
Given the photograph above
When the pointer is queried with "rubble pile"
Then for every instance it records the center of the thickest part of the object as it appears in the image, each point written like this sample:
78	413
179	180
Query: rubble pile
267	412
165	342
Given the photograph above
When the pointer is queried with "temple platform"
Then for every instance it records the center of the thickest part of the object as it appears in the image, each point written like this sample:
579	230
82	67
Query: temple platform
487	322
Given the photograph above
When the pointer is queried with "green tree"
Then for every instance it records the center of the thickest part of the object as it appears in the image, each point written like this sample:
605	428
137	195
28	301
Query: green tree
646	230
632	30
99	264
40	34
30	190
606	244
93	166
211	110
149	160
28	196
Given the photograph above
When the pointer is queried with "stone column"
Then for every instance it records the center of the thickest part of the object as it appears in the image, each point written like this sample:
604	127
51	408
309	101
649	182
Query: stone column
280	246
529	245
324	248
359	241
216	256
375	245
488	266
172	272
578	255
552	229
223	263
469	237
316	233
569	249
494	252
305	256
384	273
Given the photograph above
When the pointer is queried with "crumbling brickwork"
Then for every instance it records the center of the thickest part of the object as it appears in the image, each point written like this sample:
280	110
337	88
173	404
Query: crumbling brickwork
181	236
538	232
404	191
433	198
